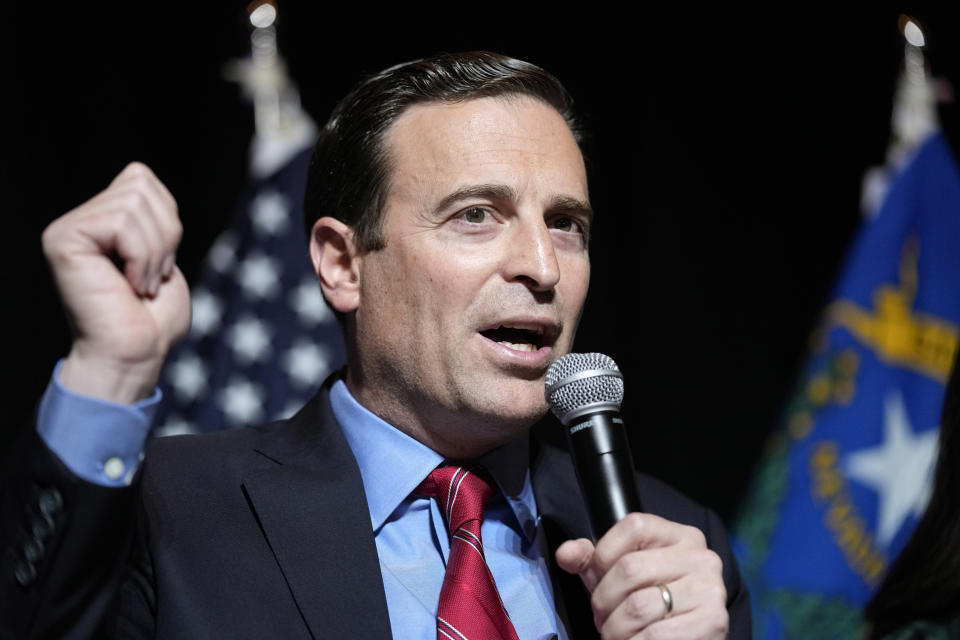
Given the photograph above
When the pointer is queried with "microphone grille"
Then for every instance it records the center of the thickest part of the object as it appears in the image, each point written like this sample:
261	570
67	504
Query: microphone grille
582	382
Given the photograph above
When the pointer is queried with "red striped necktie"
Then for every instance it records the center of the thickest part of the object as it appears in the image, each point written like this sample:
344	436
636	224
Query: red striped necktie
470	607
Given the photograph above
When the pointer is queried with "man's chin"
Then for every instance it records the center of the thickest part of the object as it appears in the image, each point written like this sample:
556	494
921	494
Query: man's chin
513	415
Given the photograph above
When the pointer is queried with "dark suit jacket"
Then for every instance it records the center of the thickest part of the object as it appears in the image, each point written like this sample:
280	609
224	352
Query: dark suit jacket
253	533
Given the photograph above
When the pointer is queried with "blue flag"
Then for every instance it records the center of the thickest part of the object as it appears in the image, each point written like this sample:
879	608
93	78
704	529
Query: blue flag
843	483
262	339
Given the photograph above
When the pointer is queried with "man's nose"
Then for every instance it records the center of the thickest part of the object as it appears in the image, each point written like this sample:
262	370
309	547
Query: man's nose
532	256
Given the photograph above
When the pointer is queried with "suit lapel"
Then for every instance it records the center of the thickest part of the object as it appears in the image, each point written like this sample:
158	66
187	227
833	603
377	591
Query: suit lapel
312	510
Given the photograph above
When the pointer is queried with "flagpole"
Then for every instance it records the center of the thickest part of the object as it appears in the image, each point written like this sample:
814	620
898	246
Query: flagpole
262	339
282	127
913	117
915	107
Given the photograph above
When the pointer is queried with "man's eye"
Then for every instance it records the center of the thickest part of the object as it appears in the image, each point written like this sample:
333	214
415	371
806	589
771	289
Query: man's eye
565	223
474	215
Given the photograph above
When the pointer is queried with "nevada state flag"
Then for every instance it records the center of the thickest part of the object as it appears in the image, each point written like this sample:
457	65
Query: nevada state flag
843	484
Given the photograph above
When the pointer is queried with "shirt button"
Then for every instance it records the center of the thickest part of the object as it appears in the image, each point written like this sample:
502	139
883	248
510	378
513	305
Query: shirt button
113	468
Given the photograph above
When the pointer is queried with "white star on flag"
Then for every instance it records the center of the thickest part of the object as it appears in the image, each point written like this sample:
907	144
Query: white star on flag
898	469
307	300
223	253
250	339
207	310
260	276
188	376
306	363
242	401
270	212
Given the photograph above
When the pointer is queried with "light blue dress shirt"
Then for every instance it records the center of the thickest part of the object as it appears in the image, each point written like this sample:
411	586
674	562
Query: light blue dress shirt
100	441
412	538
103	442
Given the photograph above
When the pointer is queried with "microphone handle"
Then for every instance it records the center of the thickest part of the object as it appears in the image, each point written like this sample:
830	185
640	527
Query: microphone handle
604	465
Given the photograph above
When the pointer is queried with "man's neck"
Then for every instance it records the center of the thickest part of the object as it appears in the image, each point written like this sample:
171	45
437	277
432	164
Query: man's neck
455	434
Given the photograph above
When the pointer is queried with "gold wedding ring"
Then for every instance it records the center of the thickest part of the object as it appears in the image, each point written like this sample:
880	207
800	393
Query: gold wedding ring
667	599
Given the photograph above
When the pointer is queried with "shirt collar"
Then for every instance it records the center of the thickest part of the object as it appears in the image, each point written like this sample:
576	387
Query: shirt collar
392	464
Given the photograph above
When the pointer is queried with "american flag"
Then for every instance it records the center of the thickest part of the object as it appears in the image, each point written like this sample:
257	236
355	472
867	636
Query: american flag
262	338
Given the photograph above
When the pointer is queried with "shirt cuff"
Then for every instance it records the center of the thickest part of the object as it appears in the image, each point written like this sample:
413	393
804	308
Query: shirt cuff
100	441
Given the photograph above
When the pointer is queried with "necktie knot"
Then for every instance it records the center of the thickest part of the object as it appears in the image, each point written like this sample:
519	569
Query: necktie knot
461	493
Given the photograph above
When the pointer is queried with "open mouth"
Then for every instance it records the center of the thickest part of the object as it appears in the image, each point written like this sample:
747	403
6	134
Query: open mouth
519	338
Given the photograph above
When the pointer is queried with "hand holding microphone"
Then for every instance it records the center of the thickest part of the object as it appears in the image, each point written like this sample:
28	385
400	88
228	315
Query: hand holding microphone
644	571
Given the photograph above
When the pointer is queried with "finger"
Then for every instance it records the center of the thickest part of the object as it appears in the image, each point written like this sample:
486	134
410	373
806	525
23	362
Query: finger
706	623
574	556
641	569
171	307
643	531
136	171
162	210
648	605
139	177
132	238
139	192
637	611
140	222
106	230
123	224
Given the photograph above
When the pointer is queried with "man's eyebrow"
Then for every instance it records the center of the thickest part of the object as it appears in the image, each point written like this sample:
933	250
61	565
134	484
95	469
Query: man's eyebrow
496	192
569	204
502	192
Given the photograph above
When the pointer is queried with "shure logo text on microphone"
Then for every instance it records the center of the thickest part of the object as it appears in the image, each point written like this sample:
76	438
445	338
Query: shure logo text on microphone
583	425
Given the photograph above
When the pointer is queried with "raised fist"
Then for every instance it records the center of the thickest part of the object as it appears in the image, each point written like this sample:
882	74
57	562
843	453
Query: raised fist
113	260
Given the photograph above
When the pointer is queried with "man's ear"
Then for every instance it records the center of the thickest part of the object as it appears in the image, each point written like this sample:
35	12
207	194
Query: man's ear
336	263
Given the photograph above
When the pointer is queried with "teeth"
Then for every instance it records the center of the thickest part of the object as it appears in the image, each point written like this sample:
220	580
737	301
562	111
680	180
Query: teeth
518	347
535	328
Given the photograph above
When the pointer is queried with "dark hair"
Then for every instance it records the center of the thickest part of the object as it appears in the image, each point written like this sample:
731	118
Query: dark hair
923	583
350	168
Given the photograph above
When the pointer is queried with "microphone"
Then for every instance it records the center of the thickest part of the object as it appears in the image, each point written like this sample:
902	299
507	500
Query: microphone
584	391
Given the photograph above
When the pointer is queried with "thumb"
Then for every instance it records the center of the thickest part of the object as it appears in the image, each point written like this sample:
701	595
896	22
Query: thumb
171	307
576	556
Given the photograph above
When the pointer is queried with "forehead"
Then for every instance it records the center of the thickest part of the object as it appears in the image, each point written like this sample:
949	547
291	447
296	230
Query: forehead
515	140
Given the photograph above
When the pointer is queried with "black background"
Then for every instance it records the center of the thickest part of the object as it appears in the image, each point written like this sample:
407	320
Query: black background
729	146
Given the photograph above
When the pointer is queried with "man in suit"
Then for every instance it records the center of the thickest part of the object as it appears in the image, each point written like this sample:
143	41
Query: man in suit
448	218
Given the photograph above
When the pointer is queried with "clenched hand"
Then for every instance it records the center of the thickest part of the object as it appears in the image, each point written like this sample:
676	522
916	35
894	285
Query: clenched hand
113	261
